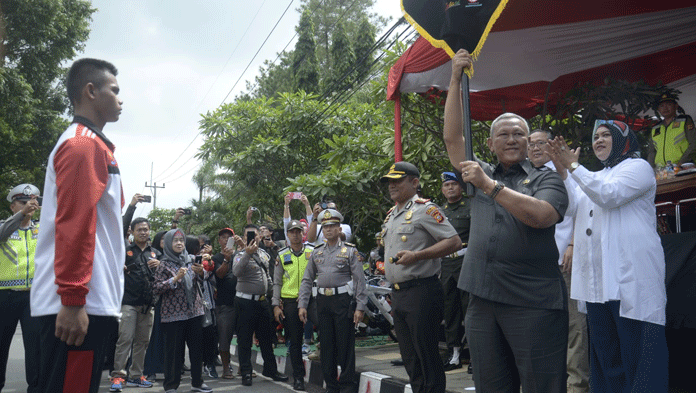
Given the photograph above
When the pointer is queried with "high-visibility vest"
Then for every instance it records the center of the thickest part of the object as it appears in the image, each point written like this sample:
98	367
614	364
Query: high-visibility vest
294	268
670	142
17	258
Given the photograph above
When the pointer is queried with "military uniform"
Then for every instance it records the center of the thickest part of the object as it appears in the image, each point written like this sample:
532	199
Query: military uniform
418	296
456	300
253	311
333	267
289	270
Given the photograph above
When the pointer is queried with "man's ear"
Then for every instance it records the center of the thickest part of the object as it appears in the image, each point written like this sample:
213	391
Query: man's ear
89	90
489	142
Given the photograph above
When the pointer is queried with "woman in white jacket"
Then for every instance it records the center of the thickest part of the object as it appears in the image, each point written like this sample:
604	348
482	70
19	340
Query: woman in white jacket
618	261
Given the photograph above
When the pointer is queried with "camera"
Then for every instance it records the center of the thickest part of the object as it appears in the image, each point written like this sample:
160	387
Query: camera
147	198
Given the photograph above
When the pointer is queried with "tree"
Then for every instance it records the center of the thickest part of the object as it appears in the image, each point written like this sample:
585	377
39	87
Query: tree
304	64
36	37
363	43
342	62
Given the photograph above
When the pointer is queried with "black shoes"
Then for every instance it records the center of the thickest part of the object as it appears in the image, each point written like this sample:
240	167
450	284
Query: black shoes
397	362
246	380
470	370
299	384
278	377
450	366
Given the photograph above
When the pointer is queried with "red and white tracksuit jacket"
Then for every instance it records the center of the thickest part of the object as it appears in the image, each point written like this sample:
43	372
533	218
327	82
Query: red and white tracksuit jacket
80	250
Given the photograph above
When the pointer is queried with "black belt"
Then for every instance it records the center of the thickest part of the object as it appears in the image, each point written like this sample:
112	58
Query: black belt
414	283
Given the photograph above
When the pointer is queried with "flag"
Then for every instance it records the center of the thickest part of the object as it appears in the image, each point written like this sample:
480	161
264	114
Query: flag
453	24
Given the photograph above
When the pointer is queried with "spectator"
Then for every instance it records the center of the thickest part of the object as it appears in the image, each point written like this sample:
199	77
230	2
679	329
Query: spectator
287	218
200	247
176	281
673	138
314	233
18	236
137	312
154	356
618	261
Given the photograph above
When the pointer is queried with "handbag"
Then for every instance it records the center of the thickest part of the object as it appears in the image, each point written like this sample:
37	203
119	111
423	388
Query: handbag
208	316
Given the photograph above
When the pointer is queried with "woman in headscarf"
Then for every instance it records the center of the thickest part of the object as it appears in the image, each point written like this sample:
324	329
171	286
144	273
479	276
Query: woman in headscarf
177	280
618	262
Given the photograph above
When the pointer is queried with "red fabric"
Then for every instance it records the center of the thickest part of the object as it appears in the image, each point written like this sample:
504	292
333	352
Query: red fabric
81	178
78	371
421	56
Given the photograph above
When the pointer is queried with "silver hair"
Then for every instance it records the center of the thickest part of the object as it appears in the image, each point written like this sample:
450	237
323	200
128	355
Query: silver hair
508	115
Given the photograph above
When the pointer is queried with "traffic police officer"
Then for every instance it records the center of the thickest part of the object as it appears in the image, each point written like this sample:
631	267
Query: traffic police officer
251	267
18	236
457	212
333	263
289	270
416	235
674	138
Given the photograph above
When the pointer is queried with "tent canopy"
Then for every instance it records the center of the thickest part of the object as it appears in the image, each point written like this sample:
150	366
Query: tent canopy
543	48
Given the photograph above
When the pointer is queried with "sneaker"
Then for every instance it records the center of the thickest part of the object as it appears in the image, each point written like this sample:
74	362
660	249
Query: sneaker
203	388
116	384
306	349
210	371
141	382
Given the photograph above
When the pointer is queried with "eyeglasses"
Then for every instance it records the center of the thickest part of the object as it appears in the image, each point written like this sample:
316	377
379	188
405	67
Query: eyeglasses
537	144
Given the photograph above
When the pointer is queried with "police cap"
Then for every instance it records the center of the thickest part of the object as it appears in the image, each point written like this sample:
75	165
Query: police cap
23	192
330	216
400	170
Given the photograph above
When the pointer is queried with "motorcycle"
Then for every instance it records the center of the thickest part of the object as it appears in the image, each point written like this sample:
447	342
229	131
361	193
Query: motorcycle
377	314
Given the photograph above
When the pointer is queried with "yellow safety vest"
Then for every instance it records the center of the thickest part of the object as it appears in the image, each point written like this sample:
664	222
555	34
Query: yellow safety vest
17	258
670	142
294	268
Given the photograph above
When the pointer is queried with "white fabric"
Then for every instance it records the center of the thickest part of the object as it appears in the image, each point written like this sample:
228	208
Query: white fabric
564	229
622	257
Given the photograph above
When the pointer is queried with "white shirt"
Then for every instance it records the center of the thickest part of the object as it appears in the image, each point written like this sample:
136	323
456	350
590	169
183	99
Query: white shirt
617	253
564	229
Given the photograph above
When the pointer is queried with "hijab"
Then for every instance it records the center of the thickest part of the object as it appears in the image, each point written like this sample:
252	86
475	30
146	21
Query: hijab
181	260
156	241
624	143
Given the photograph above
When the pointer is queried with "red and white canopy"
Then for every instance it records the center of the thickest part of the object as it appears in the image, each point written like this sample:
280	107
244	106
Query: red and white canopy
550	45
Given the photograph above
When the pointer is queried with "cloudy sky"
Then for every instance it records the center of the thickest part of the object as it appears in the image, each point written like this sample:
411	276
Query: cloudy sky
178	59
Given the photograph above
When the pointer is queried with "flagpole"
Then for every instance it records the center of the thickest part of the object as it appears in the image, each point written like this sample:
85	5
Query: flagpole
466	114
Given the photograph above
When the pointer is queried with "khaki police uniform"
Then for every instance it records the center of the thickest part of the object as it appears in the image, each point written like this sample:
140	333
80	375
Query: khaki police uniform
253	311
333	267
456	300
417	300
289	270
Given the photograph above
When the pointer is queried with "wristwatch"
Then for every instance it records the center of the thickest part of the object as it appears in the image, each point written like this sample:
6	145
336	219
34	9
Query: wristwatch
574	166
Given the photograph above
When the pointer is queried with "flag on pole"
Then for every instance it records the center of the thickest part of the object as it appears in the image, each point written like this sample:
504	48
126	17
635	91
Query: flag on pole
453	24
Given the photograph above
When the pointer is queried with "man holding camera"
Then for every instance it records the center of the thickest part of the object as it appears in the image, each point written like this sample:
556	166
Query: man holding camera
137	313
316	235
251	267
18	236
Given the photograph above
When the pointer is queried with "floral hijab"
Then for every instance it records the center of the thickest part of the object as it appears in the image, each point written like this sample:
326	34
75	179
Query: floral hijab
624	143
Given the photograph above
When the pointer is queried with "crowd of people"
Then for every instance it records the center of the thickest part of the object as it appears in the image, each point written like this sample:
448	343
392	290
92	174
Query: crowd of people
555	271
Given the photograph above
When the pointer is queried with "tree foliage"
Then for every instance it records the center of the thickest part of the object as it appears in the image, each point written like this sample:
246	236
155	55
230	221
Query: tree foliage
304	64
36	37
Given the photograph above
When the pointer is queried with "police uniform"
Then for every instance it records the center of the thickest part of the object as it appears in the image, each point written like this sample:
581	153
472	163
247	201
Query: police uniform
289	270
333	266
17	248
672	141
417	299
456	300
253	312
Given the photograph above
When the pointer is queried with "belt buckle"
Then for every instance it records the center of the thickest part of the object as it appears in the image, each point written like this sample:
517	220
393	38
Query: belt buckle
328	292
396	286
262	298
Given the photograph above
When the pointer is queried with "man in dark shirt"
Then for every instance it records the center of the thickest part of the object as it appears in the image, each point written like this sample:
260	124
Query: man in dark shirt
137	313
457	212
224	303
517	319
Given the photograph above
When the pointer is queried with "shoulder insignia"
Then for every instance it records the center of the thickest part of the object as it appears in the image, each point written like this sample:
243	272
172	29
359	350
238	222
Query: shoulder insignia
435	213
430	209
129	253
422	200
319	246
389	213
349	244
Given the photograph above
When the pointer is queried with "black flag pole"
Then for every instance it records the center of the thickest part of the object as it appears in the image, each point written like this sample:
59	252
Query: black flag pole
466	113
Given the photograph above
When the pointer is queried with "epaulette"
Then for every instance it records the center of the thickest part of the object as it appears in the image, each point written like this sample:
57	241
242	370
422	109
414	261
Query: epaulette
391	210
389	214
319	245
422	200
349	244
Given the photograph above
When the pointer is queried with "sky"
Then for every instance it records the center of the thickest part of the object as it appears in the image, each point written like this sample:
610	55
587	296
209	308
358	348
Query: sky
177	60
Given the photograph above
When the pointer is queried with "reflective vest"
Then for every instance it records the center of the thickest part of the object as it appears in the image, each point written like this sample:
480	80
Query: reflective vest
670	142
17	258
294	268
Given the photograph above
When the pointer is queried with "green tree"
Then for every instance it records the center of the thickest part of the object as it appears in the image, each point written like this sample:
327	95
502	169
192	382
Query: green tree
304	64
363	43
36	37
342	62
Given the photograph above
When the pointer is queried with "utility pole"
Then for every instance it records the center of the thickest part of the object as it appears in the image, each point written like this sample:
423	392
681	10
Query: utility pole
154	188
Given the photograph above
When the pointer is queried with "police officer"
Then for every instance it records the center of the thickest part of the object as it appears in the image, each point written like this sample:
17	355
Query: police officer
18	236
333	263
674	138
289	270
457	212
251	267
416	235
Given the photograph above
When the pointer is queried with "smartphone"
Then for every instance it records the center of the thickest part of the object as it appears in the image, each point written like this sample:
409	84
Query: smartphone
250	237
295	195
324	205
147	198
230	243
199	259
187	211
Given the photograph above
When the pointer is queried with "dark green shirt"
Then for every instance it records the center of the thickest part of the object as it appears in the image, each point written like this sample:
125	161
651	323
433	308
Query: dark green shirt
459	215
508	261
